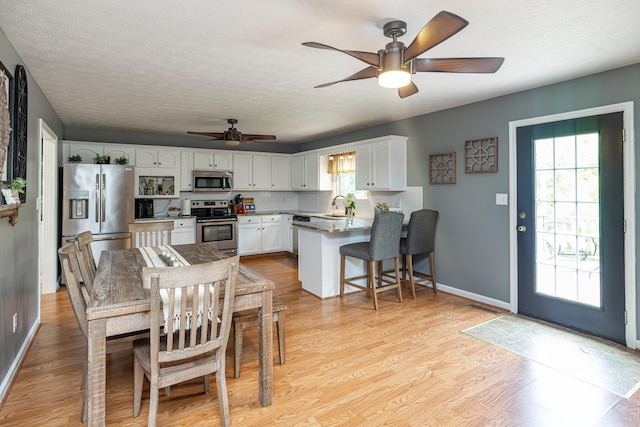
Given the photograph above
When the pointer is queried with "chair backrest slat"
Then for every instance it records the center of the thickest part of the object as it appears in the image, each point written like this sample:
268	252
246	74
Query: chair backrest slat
191	291
150	233
68	261
86	261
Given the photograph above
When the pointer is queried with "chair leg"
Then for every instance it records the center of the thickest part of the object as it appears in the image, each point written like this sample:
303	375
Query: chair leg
342	261
280	328
238	335
138	378
433	272
207	383
371	275
379	277
154	394
223	399
411	281
399	288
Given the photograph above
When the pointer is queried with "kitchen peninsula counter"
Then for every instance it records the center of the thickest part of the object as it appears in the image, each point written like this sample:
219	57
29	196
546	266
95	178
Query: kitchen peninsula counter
319	253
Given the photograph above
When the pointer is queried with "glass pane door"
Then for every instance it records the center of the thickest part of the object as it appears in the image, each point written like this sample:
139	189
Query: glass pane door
567	197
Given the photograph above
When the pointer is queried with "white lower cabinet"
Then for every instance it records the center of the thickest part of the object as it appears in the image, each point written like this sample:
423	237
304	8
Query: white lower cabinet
287	233
259	234
184	231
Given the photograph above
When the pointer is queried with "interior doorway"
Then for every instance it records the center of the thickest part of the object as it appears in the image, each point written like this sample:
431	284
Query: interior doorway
625	189
47	205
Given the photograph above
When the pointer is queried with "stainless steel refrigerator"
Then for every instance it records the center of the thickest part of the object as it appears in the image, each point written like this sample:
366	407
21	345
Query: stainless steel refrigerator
98	198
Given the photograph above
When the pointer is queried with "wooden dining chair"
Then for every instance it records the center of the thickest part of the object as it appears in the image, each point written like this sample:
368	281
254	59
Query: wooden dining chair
86	261
79	298
197	326
247	318
150	233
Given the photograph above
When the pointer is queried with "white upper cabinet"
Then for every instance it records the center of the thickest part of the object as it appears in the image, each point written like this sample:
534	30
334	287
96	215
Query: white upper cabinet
381	164
157	158
211	160
120	151
89	150
251	172
186	170
280	172
309	172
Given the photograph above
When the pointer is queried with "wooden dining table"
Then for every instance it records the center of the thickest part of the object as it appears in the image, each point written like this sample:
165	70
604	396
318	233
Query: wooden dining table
120	305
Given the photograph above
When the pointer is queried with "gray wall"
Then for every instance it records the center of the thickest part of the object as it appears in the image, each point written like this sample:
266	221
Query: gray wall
19	283
472	243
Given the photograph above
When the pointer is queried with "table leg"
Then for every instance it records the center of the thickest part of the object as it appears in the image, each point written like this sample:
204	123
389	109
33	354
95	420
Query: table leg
265	350
97	372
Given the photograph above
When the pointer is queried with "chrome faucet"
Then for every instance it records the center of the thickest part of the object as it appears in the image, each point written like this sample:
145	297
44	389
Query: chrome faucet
333	203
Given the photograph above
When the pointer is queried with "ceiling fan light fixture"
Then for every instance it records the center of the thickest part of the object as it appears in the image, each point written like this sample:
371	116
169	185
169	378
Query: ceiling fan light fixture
232	143
394	79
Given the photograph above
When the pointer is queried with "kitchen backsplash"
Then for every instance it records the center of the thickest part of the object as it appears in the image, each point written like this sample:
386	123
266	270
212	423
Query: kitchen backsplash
312	201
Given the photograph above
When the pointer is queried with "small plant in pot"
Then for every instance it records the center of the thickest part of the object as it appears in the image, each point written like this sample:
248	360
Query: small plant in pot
74	159
17	187
122	160
102	160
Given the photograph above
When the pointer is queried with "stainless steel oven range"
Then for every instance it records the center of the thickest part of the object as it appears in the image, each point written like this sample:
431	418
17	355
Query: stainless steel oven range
215	224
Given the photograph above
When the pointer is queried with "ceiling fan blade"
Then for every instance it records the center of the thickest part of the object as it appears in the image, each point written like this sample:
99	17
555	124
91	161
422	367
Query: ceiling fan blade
214	135
253	137
438	29
458	65
368	57
365	73
407	90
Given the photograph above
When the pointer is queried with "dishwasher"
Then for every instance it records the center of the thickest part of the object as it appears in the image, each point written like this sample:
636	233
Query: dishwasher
298	218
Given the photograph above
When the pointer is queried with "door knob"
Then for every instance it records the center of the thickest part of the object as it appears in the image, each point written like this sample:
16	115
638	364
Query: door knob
522	228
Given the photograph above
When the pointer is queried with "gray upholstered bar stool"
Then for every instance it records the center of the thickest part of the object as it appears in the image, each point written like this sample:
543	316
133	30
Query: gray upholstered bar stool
420	239
384	244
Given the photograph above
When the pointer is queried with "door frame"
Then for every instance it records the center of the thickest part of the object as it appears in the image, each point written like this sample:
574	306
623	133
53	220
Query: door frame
629	205
48	229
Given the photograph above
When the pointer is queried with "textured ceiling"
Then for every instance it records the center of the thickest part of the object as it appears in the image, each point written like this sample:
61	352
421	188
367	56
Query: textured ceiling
169	66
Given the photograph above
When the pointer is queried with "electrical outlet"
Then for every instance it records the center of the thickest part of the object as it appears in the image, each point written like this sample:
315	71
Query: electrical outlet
15	322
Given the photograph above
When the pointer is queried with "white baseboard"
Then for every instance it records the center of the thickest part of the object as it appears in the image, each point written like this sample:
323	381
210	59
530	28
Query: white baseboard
474	297
15	366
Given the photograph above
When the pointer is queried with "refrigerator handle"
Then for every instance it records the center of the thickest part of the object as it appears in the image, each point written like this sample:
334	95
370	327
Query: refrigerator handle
97	196
104	196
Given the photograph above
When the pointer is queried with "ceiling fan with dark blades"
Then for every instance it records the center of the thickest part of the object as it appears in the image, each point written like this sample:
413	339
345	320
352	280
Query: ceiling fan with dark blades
233	136
394	64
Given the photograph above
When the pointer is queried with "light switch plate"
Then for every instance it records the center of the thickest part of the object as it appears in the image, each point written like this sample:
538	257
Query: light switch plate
501	199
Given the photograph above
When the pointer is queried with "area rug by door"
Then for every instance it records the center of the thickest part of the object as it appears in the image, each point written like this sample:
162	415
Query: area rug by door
605	364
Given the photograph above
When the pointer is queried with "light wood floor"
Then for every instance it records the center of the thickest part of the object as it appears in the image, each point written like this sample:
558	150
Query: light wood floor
406	365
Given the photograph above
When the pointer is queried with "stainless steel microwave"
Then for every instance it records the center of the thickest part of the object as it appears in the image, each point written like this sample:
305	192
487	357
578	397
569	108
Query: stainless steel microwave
212	181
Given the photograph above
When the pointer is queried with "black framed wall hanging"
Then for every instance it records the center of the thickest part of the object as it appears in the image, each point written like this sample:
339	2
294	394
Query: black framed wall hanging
6	123
19	152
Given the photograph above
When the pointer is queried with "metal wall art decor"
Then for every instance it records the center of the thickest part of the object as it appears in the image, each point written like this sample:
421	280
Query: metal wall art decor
442	168
481	155
19	151
6	122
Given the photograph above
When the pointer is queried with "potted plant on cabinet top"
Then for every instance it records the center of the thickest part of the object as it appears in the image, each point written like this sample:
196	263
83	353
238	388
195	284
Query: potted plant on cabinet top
102	160
122	160
74	159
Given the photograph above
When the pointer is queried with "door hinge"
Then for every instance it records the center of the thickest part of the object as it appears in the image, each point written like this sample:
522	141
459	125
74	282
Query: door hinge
626	320
624	226
624	135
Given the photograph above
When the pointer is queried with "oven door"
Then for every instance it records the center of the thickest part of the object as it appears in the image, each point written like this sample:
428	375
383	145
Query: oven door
219	234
